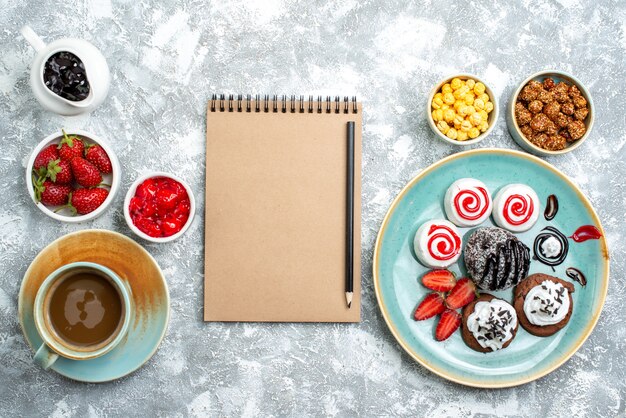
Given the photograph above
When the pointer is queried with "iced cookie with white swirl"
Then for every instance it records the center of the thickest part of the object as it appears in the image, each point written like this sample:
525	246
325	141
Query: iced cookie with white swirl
489	324
467	202
437	243
543	304
516	208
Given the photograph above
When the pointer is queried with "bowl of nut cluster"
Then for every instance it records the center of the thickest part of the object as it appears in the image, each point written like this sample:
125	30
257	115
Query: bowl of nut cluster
550	113
462	110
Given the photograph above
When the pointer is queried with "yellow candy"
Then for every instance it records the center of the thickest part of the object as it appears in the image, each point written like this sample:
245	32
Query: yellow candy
470	83
458	119
452	133
437	115
448	115
440	95
443	127
473	133
446	88
448	98
461	136
437	103
479	104
484	97
484	115
445	106
463	110
461	92
470	110
475	119
466	125
456	83
479	88
488	107
469	99
484	126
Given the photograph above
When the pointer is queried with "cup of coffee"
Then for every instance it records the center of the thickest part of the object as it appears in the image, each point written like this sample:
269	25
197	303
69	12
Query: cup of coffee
82	311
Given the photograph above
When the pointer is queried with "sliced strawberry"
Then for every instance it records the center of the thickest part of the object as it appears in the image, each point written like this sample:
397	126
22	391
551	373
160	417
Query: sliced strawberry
463	293
439	280
432	305
448	323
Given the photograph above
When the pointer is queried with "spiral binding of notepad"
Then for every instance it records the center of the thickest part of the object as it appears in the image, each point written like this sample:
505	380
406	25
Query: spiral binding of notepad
222	103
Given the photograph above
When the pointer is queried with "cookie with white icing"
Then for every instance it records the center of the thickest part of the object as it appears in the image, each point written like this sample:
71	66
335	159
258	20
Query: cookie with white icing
489	324
543	304
516	208
467	202
437	243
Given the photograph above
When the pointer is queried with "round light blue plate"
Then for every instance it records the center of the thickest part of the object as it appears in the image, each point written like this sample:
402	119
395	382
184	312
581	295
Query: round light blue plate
135	266
397	272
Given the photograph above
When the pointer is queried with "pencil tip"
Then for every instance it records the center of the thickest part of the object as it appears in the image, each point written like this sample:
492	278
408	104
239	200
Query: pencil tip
349	299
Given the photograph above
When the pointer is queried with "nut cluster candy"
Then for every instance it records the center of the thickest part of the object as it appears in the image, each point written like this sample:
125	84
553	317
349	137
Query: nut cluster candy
461	109
551	115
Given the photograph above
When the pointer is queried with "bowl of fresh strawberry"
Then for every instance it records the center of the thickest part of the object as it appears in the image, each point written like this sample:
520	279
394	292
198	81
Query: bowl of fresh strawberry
73	176
159	207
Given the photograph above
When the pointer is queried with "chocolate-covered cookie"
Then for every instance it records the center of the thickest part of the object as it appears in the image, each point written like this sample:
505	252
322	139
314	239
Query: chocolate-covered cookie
488	324
495	259
543	304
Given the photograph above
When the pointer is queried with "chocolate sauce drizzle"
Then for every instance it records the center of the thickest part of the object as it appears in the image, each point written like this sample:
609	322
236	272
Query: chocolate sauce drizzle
552	207
576	275
516	258
546	233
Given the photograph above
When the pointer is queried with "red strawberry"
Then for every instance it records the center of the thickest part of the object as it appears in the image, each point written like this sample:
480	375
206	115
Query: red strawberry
448	323
70	147
60	172
148	226
83	201
86	174
432	305
96	155
439	280
45	156
463	293
51	194
171	225
147	189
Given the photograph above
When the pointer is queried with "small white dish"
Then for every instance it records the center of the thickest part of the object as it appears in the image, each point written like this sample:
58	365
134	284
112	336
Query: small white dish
131	193
493	116
113	179
515	130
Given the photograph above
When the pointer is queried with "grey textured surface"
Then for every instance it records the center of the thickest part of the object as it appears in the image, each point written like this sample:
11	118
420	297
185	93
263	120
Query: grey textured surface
166	59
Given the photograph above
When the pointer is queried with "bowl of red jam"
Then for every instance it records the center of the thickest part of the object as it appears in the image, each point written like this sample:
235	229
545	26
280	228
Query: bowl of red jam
159	207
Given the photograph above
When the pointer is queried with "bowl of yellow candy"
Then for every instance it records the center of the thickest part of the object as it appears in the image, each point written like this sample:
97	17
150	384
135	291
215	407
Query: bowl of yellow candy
462	110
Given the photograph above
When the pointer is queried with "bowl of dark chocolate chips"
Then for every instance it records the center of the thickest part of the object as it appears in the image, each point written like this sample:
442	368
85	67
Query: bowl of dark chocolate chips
68	76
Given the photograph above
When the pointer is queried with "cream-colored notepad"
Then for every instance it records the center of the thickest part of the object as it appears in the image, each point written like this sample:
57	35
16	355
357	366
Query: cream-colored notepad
275	225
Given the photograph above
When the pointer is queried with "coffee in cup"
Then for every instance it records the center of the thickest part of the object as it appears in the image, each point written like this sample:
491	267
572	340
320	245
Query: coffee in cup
82	311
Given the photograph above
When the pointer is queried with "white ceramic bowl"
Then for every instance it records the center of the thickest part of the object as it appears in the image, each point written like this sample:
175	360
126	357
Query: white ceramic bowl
131	193
113	179
514	128
493	116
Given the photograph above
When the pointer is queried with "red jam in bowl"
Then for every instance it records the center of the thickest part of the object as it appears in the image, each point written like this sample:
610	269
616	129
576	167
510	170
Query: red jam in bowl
160	207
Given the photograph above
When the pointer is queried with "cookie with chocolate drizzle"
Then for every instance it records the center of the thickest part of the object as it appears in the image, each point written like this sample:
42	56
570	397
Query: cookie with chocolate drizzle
495	259
543	304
